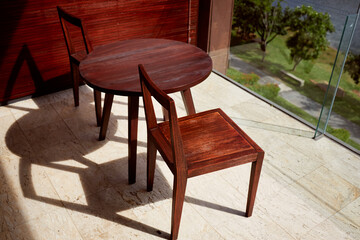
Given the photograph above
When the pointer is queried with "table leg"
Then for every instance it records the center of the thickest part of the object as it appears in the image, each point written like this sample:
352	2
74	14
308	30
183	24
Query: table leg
188	101
97	99
106	115
133	112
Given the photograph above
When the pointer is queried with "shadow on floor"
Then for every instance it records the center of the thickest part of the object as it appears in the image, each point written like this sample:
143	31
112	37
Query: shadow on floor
104	185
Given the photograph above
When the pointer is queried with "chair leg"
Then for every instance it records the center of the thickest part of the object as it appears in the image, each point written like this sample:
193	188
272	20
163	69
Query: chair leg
76	79
151	161
254	181
97	99
177	203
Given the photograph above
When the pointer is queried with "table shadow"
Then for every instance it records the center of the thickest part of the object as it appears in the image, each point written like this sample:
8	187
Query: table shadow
114	171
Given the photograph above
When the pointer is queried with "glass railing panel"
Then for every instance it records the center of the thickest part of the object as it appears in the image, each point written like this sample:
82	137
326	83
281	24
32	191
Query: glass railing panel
300	90
334	82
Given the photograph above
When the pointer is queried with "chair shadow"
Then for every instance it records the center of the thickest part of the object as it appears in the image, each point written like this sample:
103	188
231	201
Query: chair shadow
41	85
114	172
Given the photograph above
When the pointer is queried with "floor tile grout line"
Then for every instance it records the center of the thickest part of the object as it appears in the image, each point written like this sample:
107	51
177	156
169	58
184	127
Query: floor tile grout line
295	182
260	209
331	215
65	208
190	204
281	227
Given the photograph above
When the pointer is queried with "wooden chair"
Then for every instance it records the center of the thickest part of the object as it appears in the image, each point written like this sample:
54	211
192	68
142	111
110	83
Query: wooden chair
195	145
76	57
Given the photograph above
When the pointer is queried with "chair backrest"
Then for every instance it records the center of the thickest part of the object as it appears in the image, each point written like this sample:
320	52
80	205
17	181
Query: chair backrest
67	18
150	89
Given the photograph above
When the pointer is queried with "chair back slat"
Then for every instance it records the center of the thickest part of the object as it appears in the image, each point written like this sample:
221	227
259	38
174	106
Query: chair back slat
67	18
150	89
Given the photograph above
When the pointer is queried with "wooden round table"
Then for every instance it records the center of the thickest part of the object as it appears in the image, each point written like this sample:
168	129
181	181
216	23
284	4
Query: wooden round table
113	69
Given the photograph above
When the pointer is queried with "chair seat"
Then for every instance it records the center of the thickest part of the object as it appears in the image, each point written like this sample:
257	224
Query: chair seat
78	57
211	141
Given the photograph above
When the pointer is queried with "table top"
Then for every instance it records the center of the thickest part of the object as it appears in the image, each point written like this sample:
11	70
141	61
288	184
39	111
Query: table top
172	65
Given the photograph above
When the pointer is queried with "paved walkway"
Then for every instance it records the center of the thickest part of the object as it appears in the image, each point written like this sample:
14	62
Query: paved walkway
294	97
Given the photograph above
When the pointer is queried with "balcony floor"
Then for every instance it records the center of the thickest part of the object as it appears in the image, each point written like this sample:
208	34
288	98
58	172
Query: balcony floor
58	182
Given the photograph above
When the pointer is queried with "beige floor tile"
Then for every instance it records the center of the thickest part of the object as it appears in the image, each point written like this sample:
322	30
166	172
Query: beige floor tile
293	211
25	106
330	190
291	162
49	135
36	118
259	226
272	180
195	226
110	151
345	224
212	200
57	181
66	109
347	166
52	225
246	110
224	208
6	122
27	192
71	174
105	215
4	111
84	128
15	141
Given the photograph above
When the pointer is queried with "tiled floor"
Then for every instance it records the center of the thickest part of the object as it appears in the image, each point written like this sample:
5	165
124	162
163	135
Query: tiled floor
58	182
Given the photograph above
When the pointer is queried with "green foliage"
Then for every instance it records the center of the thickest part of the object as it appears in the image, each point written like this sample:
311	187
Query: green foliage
243	18
309	30
352	66
340	133
265	17
269	91
243	78
249	79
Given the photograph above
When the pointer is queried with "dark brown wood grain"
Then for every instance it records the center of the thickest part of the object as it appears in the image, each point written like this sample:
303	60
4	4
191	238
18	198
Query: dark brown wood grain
35	24
174	66
194	145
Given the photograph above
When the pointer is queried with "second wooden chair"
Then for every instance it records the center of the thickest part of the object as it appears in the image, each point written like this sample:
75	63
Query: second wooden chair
195	145
76	57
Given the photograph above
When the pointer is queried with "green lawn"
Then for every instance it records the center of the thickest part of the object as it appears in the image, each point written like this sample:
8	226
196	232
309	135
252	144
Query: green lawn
277	59
270	91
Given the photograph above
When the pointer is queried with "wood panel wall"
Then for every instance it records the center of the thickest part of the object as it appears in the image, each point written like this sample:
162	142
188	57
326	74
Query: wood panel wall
33	56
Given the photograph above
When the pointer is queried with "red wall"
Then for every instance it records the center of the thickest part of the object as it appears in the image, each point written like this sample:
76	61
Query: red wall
33	56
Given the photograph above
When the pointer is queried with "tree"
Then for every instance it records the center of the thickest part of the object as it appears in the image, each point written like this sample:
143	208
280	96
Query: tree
270	21
352	66
309	29
244	18
265	17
